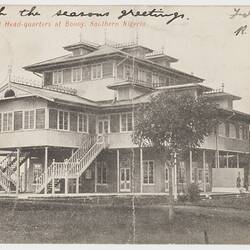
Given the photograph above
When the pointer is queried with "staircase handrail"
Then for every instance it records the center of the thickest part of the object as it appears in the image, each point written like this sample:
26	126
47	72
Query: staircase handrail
76	169
85	145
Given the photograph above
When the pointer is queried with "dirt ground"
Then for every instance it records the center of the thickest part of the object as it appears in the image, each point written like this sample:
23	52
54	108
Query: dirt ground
69	222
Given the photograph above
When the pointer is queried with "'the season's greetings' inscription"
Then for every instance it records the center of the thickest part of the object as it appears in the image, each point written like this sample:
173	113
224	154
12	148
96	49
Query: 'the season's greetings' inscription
156	13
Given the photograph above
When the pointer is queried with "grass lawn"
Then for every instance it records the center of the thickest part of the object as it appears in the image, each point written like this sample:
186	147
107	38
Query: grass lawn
69	222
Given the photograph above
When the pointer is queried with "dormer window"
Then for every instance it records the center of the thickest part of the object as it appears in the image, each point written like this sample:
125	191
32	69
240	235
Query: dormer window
96	71
76	74
58	77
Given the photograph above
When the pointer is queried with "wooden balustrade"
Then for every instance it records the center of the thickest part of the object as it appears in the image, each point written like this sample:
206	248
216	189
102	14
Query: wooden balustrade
77	163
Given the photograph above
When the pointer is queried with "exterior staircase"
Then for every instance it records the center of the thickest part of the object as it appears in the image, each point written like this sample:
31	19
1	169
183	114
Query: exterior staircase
8	167
76	164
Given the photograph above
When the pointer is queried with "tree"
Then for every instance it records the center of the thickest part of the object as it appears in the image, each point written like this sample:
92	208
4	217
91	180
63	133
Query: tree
173	124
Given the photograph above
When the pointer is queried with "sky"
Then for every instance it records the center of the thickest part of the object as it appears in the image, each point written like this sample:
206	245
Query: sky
204	41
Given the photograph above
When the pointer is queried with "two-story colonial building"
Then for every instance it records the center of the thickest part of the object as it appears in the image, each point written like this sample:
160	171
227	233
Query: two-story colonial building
72	133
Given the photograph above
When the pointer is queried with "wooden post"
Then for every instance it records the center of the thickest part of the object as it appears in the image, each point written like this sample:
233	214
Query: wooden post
77	185
118	169
95	176
204	170
191	165
26	167
141	169
227	160
237	160
46	169
18	171
47	118
66	178
53	185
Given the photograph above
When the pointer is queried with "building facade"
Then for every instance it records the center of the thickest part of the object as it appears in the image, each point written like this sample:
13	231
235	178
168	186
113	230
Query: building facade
72	133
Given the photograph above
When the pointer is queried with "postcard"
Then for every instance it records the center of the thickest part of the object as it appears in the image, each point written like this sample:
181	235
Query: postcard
124	124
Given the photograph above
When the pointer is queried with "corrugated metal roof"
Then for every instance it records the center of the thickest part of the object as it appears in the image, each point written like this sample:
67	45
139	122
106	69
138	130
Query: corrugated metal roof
103	50
53	95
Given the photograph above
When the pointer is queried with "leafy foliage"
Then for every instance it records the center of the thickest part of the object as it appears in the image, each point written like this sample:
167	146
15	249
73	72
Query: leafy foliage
193	192
174	122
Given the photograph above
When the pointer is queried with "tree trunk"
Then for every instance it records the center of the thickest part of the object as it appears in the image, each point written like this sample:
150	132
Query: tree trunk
171	195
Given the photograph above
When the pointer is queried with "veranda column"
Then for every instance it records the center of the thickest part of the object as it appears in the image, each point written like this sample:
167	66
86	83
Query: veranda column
204	170
237	160
66	177
46	169
191	164
141	170
118	169
95	176
18	171
77	185
227	160
25	174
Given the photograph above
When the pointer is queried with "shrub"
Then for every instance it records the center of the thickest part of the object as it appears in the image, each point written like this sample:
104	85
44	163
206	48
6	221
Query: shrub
193	192
183	197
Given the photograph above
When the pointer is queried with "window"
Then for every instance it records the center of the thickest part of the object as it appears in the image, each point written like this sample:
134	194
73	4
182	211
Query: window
155	79
58	77
9	93
53	116
18	120
7	121
86	73
82	123
40	118
107	69
148	77
126	122
73	121
96	71
76	74
148	172
142	75
128	71
166	174
29	119
243	132
47	78
37	172
101	173
63	120
181	173
114	123
222	129
232	131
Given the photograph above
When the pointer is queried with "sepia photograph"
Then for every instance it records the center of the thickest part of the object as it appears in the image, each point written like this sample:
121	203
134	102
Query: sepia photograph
124	124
